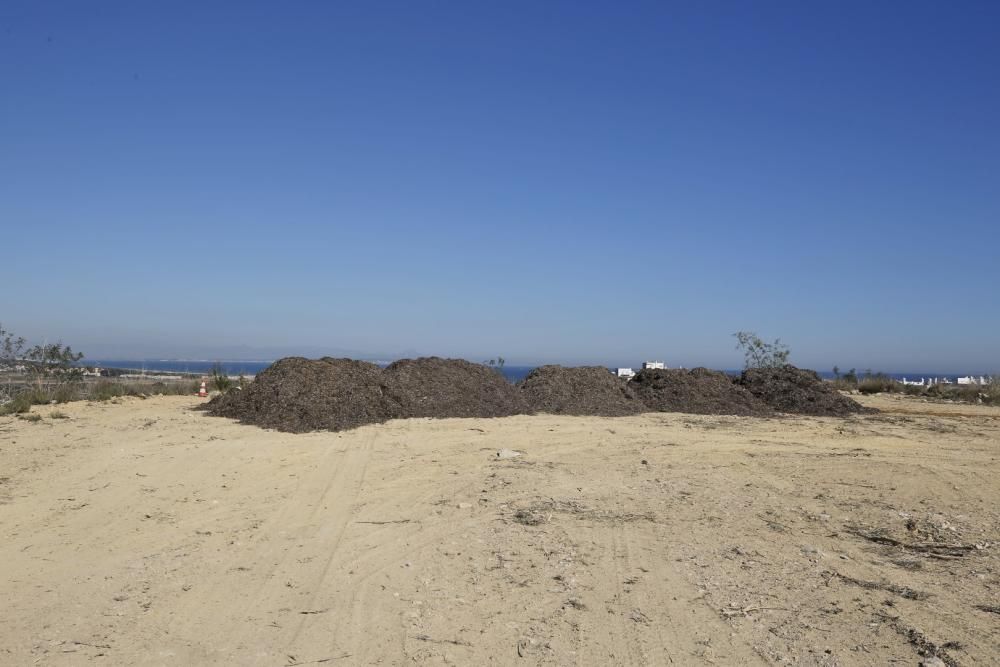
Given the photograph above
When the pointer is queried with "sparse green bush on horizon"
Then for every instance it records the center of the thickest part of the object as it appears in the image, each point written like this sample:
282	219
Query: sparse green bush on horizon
219	379
18	405
875	383
54	378
102	390
879	383
496	364
758	353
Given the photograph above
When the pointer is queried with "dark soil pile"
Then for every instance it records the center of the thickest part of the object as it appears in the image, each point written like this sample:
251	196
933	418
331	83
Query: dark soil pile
299	395
696	391
435	387
798	391
586	390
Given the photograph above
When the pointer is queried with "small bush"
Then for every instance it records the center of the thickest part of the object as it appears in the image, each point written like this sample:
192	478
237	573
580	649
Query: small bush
758	353
20	404
64	393
219	379
878	383
182	388
18	400
936	391
991	391
58	415
31	417
105	390
185	388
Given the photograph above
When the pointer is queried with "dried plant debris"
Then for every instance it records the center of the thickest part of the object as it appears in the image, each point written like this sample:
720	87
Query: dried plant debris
924	645
299	395
696	391
902	591
584	390
798	391
435	387
542	511
941	550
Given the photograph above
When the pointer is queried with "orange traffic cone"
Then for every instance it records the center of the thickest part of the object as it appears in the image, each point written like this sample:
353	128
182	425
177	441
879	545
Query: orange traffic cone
203	392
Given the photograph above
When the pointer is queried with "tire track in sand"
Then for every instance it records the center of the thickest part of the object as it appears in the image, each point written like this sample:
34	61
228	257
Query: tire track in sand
287	564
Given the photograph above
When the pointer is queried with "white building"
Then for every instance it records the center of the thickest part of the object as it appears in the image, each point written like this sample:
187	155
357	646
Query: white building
653	365
626	373
969	379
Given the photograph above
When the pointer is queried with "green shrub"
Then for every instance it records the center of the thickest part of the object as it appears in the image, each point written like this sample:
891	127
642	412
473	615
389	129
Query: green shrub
105	390
878	383
219	379
936	391
991	391
182	388
20	404
65	393
758	353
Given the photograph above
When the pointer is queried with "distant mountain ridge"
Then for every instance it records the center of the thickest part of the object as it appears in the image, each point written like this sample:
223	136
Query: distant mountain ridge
184	352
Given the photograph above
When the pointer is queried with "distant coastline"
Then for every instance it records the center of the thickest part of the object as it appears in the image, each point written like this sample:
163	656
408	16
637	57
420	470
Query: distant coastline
252	367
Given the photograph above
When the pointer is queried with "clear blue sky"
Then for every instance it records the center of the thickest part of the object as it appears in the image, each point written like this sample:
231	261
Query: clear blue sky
574	182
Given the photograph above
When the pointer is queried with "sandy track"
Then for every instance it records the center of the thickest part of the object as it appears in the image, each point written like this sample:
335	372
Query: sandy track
147	533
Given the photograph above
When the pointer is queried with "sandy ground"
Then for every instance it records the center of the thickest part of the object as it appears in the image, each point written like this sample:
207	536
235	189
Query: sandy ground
143	532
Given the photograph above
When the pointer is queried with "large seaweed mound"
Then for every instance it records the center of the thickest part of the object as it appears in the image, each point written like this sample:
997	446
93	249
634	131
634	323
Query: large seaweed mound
798	391
299	395
435	387
585	390
697	391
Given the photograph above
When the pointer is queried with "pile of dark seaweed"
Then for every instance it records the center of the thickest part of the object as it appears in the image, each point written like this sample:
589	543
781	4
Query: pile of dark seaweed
299	395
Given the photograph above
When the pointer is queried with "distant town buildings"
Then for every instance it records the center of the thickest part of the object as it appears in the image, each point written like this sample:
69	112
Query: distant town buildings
929	382
969	379
629	373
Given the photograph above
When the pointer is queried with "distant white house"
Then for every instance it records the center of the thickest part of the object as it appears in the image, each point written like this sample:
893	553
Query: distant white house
626	373
969	379
930	381
653	365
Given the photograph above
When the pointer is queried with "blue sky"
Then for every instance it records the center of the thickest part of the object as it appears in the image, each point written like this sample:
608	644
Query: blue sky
571	182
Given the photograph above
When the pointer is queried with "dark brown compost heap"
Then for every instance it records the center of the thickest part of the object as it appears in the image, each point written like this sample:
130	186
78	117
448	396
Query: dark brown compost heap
298	395
435	387
586	390
697	391
794	390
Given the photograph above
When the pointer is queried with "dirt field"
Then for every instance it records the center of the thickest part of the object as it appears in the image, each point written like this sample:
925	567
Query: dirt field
145	532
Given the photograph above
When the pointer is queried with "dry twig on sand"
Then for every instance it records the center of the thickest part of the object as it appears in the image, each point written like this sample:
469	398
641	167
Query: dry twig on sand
456	642
292	661
746	611
932	549
902	591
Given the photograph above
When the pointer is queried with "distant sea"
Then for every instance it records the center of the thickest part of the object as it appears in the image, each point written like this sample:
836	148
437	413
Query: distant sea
512	373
